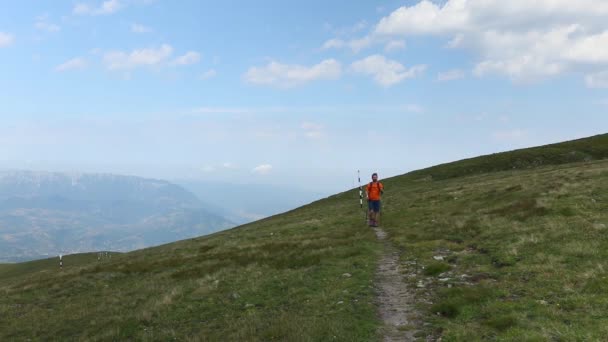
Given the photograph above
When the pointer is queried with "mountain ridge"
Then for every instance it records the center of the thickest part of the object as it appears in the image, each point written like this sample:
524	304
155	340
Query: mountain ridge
44	213
572	151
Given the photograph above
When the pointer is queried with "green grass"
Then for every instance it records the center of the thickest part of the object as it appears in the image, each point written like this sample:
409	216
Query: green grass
527	251
51	265
277	279
523	257
582	150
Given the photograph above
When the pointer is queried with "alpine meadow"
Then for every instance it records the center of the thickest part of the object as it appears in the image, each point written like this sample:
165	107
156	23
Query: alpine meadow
506	247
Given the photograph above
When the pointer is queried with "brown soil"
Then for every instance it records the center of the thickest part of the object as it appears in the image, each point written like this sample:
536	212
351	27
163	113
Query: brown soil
395	300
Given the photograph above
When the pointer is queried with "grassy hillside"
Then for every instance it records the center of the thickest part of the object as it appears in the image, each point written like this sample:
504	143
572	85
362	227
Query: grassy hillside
493	253
283	278
582	150
524	254
10	271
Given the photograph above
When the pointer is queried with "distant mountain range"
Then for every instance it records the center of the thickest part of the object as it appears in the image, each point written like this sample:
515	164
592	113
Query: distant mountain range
44	213
244	203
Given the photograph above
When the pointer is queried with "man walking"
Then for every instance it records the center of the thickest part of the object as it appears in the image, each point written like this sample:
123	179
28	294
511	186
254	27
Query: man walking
374	191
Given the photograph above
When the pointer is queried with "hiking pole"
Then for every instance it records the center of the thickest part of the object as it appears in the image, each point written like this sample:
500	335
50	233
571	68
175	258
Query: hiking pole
361	194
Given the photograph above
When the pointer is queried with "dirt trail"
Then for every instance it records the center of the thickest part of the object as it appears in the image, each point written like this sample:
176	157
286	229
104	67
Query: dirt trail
395	301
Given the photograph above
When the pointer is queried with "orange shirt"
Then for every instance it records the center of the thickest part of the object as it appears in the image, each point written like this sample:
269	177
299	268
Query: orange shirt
374	190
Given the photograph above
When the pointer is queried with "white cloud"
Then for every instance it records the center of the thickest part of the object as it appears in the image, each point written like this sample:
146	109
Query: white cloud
468	16
348	30
228	165
191	57
208	74
6	39
384	71
263	169
360	26
356	45
42	23
73	64
334	44
287	76
313	130
423	18
110	6
455	42
344	40
520	69
81	9
223	166
107	7
450	75
119	60
394	45
589	49
359	44
139	28
521	39
597	80
44	26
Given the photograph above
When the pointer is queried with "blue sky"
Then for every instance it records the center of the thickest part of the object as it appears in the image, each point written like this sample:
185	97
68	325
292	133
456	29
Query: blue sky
296	93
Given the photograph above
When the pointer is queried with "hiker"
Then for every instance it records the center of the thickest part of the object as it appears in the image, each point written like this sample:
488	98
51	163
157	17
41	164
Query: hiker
374	191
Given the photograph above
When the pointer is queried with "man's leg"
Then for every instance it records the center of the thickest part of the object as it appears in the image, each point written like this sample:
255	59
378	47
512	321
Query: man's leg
375	215
378	214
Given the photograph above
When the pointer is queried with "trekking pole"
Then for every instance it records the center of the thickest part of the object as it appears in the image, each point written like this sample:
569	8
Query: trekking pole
361	194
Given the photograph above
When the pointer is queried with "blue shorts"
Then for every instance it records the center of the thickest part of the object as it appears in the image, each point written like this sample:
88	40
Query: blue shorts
374	206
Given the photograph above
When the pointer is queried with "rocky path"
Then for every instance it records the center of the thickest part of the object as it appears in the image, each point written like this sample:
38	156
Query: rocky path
395	302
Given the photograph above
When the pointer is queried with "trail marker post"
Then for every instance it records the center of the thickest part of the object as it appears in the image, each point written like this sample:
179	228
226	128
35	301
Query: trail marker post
361	195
